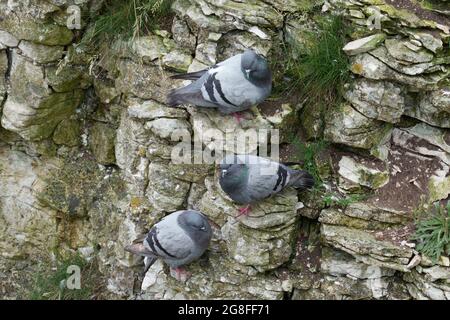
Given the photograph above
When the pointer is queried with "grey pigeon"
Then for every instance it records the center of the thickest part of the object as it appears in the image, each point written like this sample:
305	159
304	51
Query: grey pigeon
178	239
247	179
231	86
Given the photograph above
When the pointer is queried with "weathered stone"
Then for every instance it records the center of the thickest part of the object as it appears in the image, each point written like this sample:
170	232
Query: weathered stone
72	188
338	263
143	81
24	28
377	99
67	133
67	78
364	44
428	40
102	141
105	90
370	67
148	48
433	108
32	110
151	110
363	216
345	125
38	122
422	289
182	35
177	60
41	53
362	174
8	39
164	191
366	248
383	55
262	239
399	50
165	127
27	230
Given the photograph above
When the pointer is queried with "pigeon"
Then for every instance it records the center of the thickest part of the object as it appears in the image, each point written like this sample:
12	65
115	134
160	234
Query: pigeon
247	179
231	86
178	239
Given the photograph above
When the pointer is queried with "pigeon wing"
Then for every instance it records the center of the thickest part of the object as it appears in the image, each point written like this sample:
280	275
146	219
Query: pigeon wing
266	178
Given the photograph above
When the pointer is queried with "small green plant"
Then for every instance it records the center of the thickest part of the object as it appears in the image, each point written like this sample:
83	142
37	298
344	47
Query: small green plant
130	18
51	285
320	70
433	233
308	153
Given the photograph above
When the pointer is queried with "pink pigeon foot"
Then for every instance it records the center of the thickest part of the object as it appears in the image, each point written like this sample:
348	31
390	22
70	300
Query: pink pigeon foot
244	211
180	274
238	116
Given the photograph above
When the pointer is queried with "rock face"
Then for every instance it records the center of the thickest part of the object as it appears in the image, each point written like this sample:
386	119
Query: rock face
91	157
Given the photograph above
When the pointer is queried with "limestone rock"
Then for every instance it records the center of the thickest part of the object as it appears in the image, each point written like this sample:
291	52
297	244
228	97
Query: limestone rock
400	51
24	28
41	53
422	289
67	78
165	127
345	125
428	40
151	110
370	67
67	133
182	35
143	81
102	141
8	39
32	110
359	173
177	60
433	108
262	239
72	188
164	191
364	44
366	248
363	215
377	99
27	230
410	69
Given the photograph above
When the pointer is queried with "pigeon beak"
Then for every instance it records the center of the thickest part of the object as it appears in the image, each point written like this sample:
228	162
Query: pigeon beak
224	172
247	72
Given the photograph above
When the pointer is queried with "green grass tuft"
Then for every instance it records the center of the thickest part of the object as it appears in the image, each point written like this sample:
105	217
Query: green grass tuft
130	18
433	233
308	153
320	70
50	285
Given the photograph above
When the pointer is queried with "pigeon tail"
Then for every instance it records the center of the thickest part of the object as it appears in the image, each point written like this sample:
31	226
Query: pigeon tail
301	179
189	76
174	98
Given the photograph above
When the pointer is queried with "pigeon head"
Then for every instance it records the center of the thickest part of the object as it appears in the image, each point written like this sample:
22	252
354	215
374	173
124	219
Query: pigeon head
196	225
255	68
230	166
